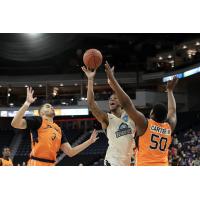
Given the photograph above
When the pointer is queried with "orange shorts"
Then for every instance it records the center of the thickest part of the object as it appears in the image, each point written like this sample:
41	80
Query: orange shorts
152	164
32	162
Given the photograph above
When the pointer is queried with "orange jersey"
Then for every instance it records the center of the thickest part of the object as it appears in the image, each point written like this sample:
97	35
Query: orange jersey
153	145
46	139
6	162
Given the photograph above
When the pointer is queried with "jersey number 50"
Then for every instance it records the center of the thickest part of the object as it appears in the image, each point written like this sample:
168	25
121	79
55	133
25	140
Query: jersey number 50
158	142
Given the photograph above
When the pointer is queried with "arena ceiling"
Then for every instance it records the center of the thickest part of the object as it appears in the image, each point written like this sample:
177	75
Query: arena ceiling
55	53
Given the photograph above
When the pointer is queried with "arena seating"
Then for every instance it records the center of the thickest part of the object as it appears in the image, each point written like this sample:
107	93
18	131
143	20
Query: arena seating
185	148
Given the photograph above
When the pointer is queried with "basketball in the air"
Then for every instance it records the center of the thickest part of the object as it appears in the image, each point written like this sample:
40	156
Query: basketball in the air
92	58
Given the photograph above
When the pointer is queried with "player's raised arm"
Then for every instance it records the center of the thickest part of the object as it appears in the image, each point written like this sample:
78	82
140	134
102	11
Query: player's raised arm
126	102
171	115
18	121
94	108
72	151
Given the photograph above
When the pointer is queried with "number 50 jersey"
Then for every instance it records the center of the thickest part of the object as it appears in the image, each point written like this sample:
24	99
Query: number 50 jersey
153	145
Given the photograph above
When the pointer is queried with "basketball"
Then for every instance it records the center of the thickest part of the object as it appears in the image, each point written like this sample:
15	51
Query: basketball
92	58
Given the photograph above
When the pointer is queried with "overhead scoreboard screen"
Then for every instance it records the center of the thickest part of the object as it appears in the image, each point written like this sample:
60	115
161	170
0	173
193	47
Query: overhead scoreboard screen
183	74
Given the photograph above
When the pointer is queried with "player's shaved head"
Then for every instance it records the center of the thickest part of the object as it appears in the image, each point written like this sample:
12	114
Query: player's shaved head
41	107
46	109
159	113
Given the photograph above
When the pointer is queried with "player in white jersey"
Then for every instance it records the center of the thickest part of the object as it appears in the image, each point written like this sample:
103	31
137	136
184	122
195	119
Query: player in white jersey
119	129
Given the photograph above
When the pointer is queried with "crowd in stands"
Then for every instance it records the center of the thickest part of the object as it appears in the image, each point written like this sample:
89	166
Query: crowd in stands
185	149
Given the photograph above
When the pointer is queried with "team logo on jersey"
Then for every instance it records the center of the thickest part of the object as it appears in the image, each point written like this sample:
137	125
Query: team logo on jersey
124	129
125	118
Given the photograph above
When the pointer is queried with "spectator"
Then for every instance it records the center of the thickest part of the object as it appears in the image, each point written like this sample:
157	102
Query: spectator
185	151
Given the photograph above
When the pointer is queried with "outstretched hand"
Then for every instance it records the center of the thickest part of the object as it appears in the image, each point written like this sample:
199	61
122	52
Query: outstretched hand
29	97
93	137
172	84
90	74
109	71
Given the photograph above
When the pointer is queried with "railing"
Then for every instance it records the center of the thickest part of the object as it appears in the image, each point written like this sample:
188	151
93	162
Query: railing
77	142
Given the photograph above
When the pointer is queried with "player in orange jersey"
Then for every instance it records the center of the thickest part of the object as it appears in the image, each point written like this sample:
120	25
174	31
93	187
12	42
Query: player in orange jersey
46	136
6	160
154	134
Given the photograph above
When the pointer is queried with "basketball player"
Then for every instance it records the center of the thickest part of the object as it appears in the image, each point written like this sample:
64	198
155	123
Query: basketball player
119	129
46	136
6	161
154	133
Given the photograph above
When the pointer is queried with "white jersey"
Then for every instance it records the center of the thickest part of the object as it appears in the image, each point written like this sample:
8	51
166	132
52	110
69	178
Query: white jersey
120	133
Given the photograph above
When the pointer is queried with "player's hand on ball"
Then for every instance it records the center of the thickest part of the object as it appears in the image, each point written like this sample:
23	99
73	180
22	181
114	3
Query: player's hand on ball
29	98
109	71
93	137
172	83
90	74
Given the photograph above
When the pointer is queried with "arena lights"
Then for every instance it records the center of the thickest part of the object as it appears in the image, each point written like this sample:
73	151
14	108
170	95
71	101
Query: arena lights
83	99
26	86
184	47
40	85
160	58
172	63
183	75
191	52
197	43
76	84
55	91
169	56
61	84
